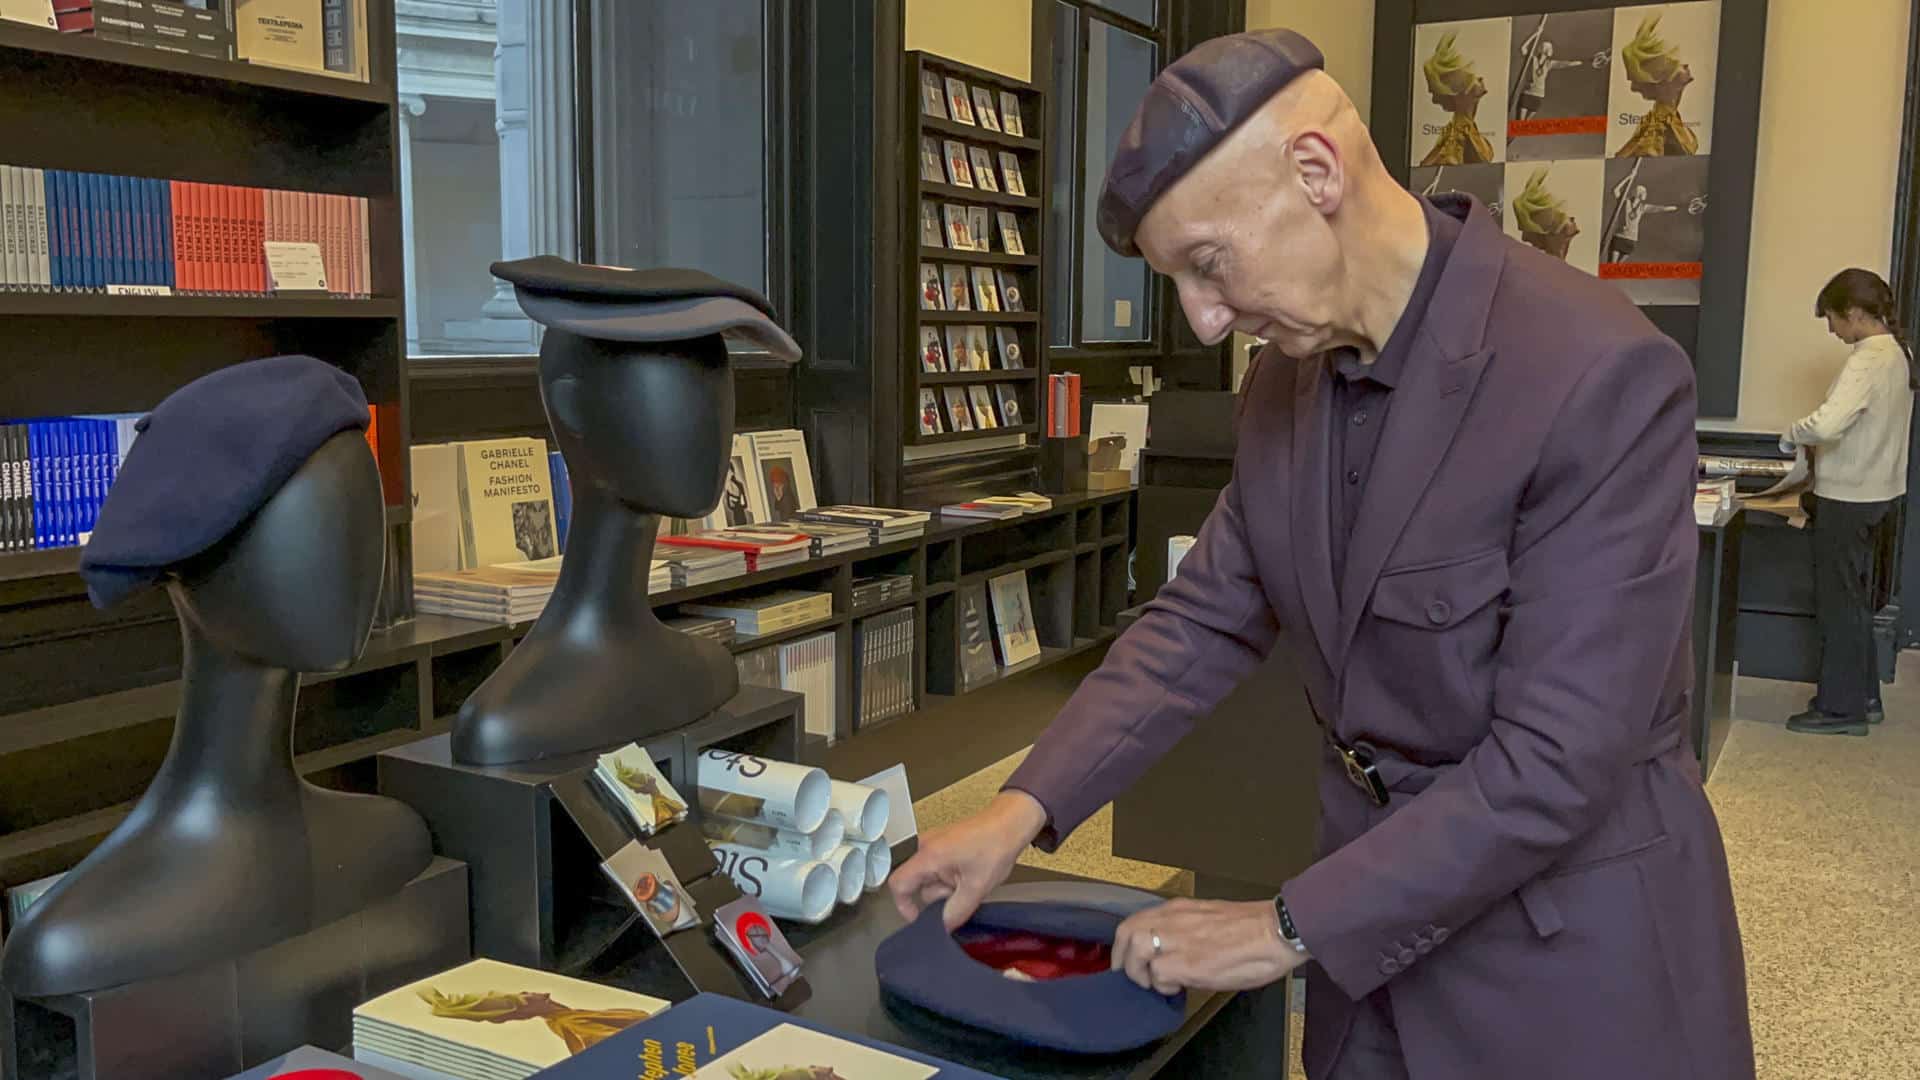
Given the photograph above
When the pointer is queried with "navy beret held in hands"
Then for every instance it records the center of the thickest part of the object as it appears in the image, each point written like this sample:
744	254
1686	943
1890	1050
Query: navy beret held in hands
207	458
1193	104
1076	1004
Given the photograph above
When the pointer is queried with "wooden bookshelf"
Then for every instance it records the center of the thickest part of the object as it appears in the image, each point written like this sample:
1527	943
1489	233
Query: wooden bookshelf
47	49
1023	269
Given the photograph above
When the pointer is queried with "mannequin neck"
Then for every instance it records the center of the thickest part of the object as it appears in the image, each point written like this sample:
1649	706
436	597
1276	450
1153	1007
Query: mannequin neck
234	733
609	558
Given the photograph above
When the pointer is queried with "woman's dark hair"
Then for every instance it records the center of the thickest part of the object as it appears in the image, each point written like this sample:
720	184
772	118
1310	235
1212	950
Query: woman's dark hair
1868	293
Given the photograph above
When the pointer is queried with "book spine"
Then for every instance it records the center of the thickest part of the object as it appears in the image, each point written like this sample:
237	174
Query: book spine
83	230
37	228
257	238
9	213
9	495
337	233
366	248
167	224
35	508
56	267
153	230
132	223
184	270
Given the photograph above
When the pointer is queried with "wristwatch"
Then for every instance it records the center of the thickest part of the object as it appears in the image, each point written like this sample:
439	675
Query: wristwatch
1287	932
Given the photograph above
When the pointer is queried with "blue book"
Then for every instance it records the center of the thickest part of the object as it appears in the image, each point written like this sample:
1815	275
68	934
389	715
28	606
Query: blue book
86	201
125	265
165	227
562	497
101	212
67	494
747	1040
133	223
56	236
66	227
156	235
36	480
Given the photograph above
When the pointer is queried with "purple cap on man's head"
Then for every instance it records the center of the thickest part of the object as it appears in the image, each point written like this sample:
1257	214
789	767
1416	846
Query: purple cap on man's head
1190	107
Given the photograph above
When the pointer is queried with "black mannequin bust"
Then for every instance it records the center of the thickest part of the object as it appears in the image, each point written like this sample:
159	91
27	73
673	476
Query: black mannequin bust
636	382
229	850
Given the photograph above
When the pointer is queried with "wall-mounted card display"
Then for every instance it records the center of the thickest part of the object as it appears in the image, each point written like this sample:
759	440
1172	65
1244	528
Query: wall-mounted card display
1010	356
930	413
959	297
933	98
1010	241
1655	233
933	359
979	356
984	110
1010	298
979	227
986	294
1008	396
959	172
1662	92
959	102
984	177
1557	106
959	357
959	238
930	167
1460	92
1555	207
1486	183
930	224
931	298
1016	182
1010	114
983	416
959	413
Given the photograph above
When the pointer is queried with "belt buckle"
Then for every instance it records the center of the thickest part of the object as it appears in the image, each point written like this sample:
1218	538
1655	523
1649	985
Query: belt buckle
1363	773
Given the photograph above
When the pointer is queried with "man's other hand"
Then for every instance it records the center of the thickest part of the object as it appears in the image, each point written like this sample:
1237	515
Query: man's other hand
963	862
1205	945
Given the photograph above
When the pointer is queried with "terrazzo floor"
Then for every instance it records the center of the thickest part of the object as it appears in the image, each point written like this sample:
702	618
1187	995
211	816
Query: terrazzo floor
1823	836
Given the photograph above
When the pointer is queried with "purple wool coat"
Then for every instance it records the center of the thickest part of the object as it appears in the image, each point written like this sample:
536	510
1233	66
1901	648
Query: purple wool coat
1546	893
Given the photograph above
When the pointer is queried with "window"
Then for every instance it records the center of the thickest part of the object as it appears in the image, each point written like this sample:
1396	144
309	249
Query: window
663	107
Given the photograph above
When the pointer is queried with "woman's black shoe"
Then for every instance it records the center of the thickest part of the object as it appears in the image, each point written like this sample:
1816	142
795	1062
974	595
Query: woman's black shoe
1815	722
1876	712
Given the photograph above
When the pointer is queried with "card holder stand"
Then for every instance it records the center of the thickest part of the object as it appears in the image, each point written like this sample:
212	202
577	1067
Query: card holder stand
227	1017
534	835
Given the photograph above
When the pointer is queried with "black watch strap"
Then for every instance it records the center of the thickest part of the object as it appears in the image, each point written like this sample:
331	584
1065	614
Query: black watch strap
1287	932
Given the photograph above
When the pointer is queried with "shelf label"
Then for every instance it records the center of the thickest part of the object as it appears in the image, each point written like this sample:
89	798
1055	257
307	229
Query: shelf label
296	267
139	290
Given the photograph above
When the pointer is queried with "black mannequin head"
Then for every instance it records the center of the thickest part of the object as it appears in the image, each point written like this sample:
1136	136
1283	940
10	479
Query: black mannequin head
295	586
649	423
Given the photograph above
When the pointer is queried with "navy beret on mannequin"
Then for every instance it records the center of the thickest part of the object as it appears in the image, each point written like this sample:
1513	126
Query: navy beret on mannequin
1193	104
612	303
207	457
1102	1013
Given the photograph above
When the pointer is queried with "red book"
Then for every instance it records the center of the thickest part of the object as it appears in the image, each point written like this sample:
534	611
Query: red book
186	236
338	276
342	221
172	225
236	239
755	546
258	209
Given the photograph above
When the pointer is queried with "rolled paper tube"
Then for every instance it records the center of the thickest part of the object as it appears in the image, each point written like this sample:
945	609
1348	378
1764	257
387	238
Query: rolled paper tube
865	808
749	788
879	862
851	864
779	842
803	890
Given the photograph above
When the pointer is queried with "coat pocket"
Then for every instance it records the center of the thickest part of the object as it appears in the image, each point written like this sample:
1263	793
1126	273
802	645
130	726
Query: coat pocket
1536	896
1439	596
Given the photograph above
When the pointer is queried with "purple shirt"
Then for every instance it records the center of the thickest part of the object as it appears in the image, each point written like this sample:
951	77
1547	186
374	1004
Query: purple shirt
1363	392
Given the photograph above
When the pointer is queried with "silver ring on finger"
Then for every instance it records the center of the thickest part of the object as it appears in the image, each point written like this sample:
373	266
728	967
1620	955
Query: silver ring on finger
1155	939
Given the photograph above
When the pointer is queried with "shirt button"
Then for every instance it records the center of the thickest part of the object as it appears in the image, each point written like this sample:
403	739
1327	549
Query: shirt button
1353	476
1359	417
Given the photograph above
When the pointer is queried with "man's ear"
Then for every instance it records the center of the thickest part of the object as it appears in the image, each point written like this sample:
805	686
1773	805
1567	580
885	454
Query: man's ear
1322	173
565	404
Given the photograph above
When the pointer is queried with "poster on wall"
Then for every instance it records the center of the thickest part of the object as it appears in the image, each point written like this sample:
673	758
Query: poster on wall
1483	182
1665	59
1655	232
1460	83
1555	206
1557	100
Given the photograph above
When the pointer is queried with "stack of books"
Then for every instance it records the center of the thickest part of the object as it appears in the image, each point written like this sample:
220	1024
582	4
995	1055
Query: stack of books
757	615
827	539
887	589
659	576
698	566
1713	501
490	1019
764	550
883	667
981	510
187	29
509	594
703	626
883	525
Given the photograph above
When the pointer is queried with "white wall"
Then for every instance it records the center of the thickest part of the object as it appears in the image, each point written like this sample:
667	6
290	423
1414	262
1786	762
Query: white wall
992	34
1830	112
1343	29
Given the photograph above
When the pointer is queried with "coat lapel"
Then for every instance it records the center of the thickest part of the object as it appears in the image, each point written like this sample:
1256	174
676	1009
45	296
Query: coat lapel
1312	527
1436	387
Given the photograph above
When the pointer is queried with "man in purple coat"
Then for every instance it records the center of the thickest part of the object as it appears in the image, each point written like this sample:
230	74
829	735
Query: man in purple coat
1462	497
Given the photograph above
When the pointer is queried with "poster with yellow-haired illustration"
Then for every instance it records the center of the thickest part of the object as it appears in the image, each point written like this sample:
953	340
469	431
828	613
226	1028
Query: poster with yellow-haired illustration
1665	60
1556	207
1460	91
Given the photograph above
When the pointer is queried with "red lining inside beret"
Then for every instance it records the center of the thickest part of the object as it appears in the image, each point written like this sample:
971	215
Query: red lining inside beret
1042	957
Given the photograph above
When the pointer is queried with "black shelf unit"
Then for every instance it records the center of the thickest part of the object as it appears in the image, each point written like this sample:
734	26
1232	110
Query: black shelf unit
1024	269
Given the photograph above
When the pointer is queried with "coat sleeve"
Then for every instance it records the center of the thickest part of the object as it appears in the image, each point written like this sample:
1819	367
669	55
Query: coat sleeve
1601	589
1844	404
1201	636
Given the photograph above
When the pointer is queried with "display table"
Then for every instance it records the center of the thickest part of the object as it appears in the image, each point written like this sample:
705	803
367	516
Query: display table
1241	1034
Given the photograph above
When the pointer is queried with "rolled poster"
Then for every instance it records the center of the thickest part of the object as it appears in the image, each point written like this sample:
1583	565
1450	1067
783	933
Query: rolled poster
865	809
850	864
800	889
780	843
879	862
749	788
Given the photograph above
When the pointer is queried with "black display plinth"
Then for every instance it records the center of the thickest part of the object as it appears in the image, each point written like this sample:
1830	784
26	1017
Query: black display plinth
222	1019
1716	626
534	835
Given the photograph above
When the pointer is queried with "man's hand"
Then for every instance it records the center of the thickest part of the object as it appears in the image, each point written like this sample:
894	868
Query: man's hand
1205	945
965	861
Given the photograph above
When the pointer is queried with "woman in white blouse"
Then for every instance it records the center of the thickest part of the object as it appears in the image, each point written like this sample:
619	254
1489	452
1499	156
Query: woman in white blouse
1857	442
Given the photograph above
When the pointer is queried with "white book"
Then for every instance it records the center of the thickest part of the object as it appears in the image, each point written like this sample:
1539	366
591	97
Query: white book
1126	420
786	475
506	502
807	667
743	500
37	227
9	214
436	508
1013	621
